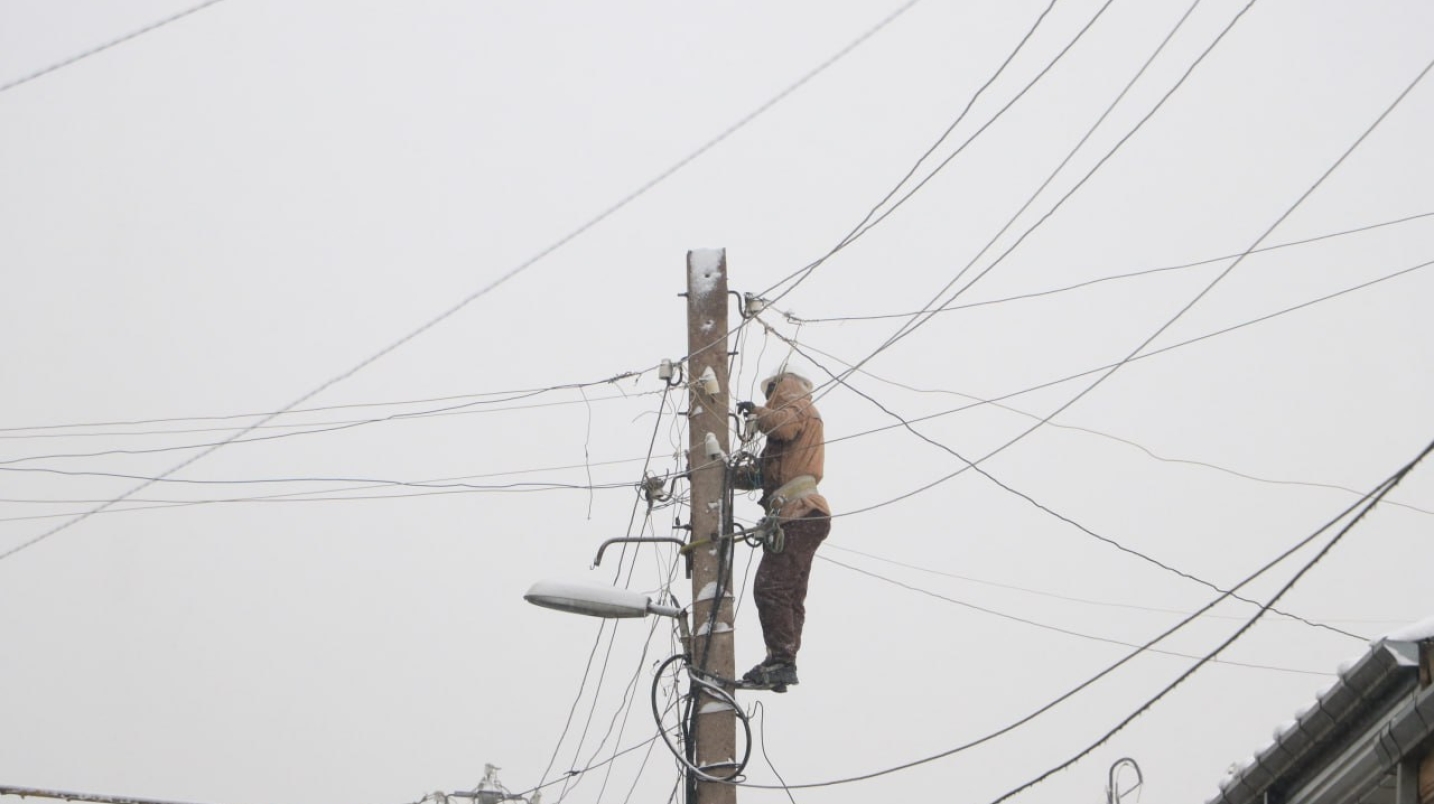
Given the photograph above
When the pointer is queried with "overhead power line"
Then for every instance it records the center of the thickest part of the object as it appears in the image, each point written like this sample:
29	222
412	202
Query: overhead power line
1370	501
1211	285
1359	509
1057	629
320	429
466	400
632	524
1070	598
106	46
977	401
919	320
801	274
1092	282
489	287
983	472
1103	368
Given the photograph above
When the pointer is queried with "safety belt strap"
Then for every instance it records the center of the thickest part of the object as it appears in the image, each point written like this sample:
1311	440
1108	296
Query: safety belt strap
794	489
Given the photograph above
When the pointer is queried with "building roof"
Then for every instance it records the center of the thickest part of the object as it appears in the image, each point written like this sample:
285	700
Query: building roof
1348	740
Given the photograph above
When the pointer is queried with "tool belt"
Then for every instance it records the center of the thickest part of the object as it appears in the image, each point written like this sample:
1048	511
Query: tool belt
769	532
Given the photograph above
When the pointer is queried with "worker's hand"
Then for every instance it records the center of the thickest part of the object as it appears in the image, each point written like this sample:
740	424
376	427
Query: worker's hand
746	408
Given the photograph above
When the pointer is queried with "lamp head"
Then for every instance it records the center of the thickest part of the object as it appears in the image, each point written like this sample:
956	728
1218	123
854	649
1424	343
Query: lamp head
595	601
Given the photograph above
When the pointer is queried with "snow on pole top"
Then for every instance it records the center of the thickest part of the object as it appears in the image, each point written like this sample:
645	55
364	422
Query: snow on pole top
705	267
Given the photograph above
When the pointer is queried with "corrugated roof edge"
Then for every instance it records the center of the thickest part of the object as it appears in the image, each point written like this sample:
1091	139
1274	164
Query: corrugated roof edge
1388	670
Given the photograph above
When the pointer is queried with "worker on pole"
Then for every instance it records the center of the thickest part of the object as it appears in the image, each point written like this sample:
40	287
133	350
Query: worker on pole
798	515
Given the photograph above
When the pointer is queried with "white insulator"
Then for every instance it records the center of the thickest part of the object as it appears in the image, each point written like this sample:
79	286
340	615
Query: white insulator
708	382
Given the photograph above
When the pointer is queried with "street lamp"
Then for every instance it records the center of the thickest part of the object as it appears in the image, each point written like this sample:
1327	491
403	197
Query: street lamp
608	601
596	601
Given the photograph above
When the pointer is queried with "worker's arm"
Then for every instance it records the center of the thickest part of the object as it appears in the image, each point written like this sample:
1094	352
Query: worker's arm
783	417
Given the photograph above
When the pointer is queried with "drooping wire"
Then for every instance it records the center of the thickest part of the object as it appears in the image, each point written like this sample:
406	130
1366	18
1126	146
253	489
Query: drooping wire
761	712
629	697
1113	793
592	655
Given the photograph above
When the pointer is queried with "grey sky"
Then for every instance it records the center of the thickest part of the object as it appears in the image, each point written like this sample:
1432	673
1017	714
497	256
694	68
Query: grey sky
222	216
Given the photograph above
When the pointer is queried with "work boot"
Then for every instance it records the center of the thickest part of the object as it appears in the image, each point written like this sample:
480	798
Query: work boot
774	675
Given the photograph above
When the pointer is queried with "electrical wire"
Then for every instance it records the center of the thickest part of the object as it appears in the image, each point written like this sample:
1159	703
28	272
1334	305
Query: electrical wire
638	776
1180	23
431	490
1208	287
1128	442
572	710
917	321
762	733
1068	632
1071	598
579	771
632	521
1092	282
470	400
106	46
1372	500
1373	495
985	473
445	483
801	274
1087	372
624	709
319	430
997	401
485	289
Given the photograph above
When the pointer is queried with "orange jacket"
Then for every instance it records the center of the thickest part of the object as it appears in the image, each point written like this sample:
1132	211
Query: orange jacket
796	445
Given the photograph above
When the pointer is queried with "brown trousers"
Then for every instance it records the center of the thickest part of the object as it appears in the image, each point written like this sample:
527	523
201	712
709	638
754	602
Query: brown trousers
780	589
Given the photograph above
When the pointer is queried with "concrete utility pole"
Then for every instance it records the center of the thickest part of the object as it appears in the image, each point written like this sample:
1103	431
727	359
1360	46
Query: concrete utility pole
715	729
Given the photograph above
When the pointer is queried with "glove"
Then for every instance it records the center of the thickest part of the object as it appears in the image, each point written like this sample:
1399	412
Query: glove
746	408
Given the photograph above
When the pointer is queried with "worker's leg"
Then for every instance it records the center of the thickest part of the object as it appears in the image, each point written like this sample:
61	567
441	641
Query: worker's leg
780	588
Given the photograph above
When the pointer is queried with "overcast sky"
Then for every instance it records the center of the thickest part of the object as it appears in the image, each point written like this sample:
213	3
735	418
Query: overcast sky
428	235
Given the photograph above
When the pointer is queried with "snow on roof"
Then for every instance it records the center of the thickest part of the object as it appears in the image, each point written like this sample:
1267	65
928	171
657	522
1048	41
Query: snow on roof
1339	700
1414	632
